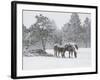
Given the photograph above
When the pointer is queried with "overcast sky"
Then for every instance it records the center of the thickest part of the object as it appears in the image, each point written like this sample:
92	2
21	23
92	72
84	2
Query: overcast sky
59	18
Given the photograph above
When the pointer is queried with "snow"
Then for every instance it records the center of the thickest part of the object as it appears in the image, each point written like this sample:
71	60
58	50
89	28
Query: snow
51	62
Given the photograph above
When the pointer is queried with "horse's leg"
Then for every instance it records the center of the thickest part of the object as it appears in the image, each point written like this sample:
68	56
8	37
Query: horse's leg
55	52
69	54
58	54
63	54
75	54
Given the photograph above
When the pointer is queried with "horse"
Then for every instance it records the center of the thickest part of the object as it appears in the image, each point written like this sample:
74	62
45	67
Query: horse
59	50
71	49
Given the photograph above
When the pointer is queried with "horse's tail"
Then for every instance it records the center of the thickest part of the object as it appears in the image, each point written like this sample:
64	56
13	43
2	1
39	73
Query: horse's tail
76	46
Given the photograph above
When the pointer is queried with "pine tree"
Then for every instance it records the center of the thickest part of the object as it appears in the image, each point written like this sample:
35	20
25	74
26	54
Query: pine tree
73	29
87	33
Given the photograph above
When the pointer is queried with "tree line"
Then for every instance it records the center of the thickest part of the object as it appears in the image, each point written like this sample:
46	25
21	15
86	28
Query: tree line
44	32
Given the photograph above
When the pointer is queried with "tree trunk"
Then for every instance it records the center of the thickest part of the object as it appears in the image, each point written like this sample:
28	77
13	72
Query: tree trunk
43	45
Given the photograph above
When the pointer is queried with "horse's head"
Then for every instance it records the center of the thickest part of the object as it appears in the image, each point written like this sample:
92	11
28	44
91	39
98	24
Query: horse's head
66	45
76	46
55	44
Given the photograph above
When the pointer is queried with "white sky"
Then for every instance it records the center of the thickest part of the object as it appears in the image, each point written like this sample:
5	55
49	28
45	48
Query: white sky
59	18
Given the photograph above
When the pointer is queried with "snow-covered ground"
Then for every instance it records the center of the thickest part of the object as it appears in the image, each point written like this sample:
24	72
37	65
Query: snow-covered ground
50	62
